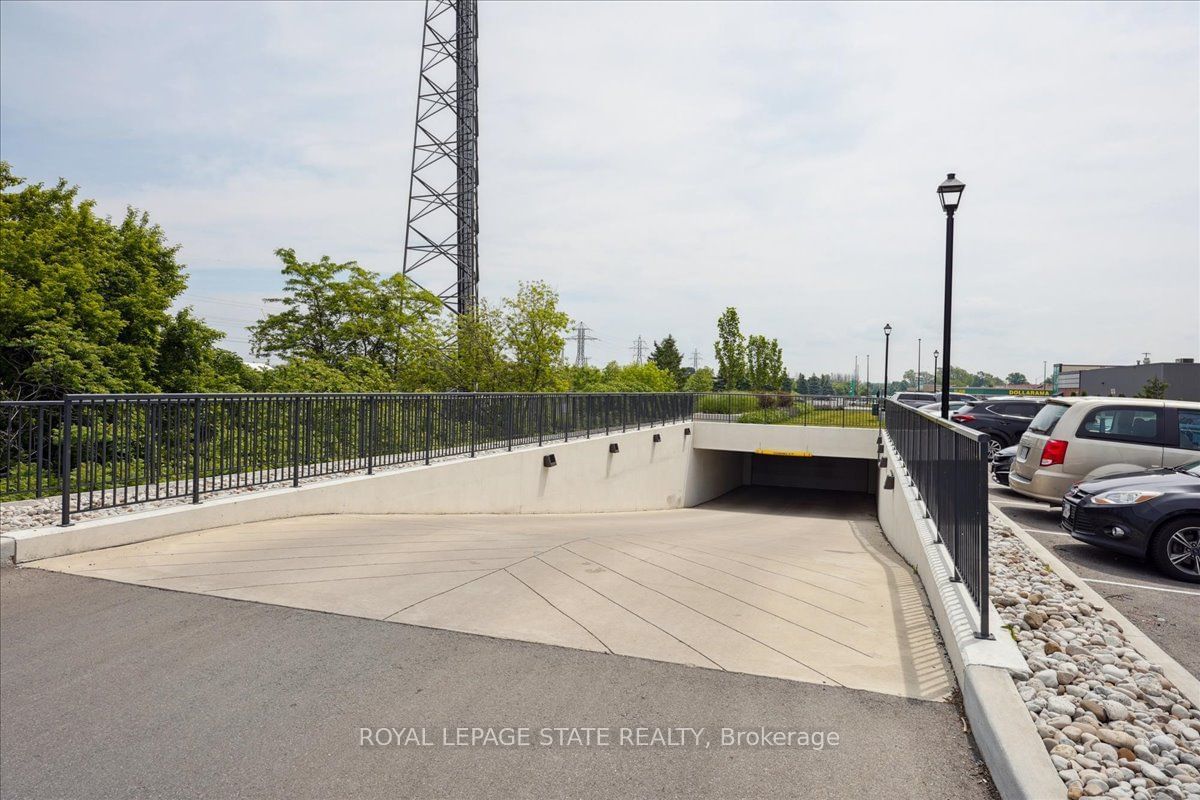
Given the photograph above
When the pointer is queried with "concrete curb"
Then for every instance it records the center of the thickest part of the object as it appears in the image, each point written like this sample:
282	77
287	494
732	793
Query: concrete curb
1187	683
8	550
1006	736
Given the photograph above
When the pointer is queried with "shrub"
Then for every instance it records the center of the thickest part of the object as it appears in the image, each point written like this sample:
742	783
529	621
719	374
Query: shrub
725	403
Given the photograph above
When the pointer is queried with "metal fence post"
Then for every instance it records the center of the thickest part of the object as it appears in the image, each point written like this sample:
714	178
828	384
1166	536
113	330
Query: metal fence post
65	466
41	435
508	434
196	451
428	427
539	416
474	420
295	441
985	534
371	435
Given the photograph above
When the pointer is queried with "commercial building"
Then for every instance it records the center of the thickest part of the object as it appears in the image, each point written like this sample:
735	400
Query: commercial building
1181	376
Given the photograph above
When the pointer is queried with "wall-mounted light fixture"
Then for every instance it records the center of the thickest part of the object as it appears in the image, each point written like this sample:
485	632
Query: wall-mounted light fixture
549	461
883	463
889	482
658	437
687	431
881	448
614	448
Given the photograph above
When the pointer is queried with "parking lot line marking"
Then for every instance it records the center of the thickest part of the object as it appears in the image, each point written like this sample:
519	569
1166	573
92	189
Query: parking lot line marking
1052	533
1004	501
1142	586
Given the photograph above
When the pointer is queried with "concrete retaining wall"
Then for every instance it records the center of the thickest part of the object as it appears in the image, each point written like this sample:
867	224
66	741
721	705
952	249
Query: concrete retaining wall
643	475
747	438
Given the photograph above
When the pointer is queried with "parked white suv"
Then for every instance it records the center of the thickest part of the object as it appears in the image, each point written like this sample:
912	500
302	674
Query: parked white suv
1073	439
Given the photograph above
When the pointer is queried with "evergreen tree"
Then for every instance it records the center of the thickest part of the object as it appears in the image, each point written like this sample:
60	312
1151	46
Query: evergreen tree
666	356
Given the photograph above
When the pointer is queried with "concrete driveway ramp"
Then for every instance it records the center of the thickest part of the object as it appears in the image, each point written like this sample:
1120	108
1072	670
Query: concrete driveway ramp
763	581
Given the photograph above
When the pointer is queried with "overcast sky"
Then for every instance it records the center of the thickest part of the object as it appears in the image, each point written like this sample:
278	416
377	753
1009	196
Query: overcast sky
658	162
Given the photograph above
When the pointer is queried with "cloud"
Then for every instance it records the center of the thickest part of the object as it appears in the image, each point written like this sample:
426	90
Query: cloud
657	162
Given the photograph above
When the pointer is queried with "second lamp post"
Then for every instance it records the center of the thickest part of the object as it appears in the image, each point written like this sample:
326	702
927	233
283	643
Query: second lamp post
949	192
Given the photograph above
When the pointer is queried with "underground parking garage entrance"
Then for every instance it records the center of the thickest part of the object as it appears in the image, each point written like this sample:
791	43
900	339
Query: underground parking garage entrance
785	577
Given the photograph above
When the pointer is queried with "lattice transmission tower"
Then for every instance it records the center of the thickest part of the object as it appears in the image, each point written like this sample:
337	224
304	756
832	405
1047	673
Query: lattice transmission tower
441	238
638	347
581	340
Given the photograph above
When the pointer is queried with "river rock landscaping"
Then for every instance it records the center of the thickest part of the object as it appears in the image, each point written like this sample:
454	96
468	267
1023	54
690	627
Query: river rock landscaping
1113	724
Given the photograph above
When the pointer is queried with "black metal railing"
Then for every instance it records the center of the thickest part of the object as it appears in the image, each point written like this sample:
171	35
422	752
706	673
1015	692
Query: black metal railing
778	408
101	451
948	467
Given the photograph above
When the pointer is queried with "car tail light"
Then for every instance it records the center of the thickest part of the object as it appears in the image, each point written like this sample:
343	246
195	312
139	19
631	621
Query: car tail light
1055	452
962	418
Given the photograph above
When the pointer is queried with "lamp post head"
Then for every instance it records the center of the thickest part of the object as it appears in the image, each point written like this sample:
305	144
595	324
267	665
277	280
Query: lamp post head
949	192
935	353
887	329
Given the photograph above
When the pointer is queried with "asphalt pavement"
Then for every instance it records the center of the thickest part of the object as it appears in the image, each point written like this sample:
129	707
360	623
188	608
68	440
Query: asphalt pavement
1168	611
109	690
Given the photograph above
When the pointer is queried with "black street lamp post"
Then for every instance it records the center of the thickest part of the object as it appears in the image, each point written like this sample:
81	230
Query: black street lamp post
887	343
920	383
935	374
949	192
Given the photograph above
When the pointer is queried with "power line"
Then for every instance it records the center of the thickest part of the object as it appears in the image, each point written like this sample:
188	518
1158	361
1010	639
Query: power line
223	302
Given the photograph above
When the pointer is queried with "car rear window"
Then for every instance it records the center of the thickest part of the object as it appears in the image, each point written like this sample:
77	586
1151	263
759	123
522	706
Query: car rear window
1047	418
1129	424
1189	430
1022	409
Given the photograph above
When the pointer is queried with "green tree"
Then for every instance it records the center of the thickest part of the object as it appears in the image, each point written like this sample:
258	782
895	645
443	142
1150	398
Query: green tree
764	363
623	378
338	313
702	380
84	301
666	356
1016	377
1155	389
535	331
477	359
800	384
814	384
731	351
190	361
354	374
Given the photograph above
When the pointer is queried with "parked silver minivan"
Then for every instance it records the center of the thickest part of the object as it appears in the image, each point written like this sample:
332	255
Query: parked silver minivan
1073	439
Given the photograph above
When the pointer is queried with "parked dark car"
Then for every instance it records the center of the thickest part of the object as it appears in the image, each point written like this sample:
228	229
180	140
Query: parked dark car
1153	514
1002	418
918	399
1001	463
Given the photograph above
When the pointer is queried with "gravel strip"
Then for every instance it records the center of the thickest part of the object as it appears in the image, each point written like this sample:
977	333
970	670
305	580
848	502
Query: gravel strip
1113	724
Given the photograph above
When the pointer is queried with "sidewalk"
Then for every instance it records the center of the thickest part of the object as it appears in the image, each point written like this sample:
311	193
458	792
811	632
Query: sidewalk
111	689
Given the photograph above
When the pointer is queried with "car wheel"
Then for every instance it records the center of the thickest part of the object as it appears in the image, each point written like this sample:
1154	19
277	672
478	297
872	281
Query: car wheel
1175	549
994	447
